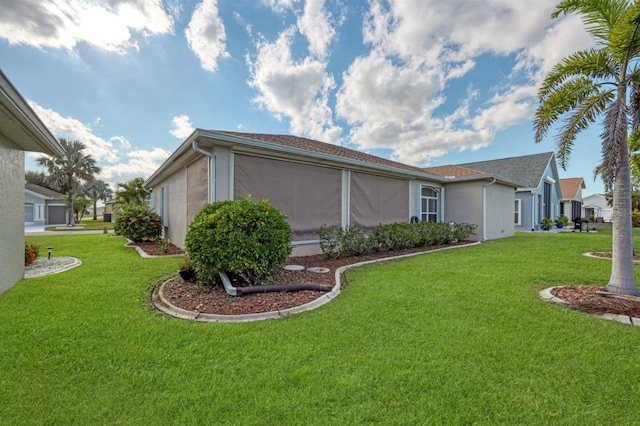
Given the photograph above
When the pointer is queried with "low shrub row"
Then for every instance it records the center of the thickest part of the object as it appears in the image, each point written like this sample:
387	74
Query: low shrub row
138	223
337	242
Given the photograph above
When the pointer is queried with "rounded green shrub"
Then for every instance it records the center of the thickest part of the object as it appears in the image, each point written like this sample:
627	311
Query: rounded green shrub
250	239
138	223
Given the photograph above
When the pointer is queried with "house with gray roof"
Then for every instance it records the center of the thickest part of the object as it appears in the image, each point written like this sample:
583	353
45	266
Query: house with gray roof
20	130
43	206
538	194
316	183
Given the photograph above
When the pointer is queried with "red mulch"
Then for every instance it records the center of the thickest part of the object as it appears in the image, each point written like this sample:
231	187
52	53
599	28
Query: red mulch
212	299
586	299
152	248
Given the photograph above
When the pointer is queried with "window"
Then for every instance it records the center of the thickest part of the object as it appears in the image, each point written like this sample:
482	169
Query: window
428	204
518	212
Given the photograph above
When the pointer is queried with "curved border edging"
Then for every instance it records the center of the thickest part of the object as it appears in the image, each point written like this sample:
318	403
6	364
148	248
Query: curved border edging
624	319
163	305
76	262
590	254
148	256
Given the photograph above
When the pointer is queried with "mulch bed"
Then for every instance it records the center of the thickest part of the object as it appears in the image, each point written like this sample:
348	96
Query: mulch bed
607	255
199	297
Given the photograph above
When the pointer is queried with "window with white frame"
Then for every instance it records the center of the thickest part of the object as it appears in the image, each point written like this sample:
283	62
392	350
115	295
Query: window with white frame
428	204
518	212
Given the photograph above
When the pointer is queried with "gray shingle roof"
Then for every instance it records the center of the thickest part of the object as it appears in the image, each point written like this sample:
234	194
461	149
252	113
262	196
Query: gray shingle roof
527	169
42	190
323	148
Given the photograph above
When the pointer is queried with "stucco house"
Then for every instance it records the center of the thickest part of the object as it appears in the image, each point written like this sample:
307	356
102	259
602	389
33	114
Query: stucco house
598	206
316	183
43	206
539	193
571	201
20	130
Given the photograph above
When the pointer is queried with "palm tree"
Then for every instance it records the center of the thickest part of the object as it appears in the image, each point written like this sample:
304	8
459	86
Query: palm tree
601	82
66	170
97	190
132	193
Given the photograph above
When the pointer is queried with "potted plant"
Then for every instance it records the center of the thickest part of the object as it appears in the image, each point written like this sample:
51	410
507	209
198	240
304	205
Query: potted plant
546	223
185	269
562	221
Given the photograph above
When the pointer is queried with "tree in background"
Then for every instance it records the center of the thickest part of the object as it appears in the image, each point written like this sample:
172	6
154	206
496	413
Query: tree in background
66	171
132	193
95	191
602	81
40	179
80	204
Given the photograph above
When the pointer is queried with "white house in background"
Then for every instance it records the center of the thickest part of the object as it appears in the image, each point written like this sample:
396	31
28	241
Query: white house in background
42	206
20	130
597	205
571	201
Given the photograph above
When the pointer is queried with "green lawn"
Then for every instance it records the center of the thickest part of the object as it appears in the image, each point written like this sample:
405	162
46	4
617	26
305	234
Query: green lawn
86	224
455	337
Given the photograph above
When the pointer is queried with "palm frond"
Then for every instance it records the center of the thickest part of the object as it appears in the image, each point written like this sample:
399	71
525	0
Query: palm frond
592	64
624	42
600	16
613	135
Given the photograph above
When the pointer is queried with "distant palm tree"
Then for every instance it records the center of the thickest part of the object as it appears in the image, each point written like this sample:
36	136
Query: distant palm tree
66	170
603	81
132	193
97	190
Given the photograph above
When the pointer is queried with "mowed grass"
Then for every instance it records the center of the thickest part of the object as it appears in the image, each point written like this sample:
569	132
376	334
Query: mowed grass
455	337
86	224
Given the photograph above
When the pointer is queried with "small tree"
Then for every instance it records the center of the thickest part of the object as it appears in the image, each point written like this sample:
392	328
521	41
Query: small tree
80	205
132	193
95	191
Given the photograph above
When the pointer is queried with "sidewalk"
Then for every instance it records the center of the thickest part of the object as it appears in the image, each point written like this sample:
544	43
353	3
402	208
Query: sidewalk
39	230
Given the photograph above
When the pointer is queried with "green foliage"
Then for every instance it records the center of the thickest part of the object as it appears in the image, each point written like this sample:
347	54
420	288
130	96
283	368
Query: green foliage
562	220
138	223
247	238
80	205
336	242
546	223
132	194
30	253
635	217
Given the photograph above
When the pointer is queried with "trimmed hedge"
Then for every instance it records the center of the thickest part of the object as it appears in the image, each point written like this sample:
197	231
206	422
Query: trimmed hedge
337	242
250	239
138	223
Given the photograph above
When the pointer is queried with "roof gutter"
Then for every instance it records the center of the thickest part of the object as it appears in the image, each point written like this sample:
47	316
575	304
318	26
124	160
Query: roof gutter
484	208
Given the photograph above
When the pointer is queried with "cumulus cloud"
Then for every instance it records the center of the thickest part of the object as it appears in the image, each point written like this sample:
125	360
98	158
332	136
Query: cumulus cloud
137	163
73	129
63	24
391	95
280	5
315	25
206	35
296	89
182	126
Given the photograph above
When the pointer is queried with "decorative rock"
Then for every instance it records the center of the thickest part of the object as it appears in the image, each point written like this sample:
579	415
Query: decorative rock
318	270
294	268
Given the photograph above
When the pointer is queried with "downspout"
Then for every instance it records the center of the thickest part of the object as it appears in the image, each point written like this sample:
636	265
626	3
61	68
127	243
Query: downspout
212	162
533	211
484	208
241	291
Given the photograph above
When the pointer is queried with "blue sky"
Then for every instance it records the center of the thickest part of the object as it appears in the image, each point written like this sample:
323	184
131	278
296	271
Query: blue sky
424	82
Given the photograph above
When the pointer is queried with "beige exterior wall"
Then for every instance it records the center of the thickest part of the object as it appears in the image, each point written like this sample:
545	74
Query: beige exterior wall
11	216
463	204
176	188
500	211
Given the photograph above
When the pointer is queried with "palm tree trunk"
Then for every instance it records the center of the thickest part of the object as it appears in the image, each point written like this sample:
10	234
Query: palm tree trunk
622	280
95	214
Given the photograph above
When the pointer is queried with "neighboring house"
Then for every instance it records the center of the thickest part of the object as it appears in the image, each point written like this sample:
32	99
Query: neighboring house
108	213
42	206
598	206
571	201
538	196
20	130
316	183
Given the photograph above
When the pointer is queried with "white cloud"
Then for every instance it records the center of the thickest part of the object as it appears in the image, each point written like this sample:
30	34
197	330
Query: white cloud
315	25
280	5
64	24
182	126
297	89
138	163
206	35
73	129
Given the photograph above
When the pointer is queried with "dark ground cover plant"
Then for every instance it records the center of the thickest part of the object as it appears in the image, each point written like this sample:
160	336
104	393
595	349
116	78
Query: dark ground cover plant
138	223
337	242
247	238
